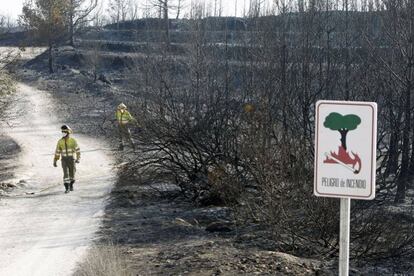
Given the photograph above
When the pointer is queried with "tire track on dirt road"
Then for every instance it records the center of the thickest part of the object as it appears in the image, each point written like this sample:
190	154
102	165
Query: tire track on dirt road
48	233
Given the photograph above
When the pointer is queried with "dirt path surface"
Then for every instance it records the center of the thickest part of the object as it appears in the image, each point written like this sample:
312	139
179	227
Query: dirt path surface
48	232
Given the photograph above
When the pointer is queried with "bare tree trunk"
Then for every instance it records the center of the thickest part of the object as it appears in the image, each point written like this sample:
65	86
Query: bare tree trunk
347	52
403	178
178	9
403	181
71	27
393	154
117	18
283	68
411	167
410	82
50	41
220	8
167	22
235	9
301	6
50	54
328	50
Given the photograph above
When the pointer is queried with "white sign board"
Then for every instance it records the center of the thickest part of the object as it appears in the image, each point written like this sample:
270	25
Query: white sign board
345	149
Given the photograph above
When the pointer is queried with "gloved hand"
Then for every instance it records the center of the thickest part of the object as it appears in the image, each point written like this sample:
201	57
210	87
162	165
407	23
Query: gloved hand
54	164
77	161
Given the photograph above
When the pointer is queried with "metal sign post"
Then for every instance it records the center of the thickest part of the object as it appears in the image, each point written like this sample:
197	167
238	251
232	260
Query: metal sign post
344	229
345	159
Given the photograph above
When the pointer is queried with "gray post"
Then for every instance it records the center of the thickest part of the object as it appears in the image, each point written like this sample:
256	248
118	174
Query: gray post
344	236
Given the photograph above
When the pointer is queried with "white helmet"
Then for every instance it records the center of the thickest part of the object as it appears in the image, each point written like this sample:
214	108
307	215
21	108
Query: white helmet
66	129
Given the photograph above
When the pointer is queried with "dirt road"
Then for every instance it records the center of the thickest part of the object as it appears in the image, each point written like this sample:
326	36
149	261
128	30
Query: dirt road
48	232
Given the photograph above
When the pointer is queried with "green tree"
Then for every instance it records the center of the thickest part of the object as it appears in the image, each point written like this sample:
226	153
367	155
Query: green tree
47	19
343	124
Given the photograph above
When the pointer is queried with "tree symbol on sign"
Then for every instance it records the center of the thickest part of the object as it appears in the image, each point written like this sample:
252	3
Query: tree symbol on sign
343	124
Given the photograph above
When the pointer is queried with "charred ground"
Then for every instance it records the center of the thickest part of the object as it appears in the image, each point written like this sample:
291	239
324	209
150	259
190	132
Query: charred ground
193	218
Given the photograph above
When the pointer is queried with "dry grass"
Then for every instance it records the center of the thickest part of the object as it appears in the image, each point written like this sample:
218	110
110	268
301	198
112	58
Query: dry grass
104	260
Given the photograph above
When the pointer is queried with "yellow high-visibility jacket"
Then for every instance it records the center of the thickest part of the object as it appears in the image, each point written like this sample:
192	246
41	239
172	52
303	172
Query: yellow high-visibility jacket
124	118
67	147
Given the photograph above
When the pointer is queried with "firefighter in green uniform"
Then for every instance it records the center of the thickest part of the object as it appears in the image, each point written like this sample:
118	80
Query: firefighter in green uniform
68	149
124	119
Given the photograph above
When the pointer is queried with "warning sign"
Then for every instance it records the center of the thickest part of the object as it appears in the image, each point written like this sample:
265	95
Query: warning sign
345	149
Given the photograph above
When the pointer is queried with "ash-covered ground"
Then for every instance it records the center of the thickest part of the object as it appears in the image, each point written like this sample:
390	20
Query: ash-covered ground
159	231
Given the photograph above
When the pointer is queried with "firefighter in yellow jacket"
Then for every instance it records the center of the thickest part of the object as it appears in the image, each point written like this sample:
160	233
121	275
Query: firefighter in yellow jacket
124	119
67	148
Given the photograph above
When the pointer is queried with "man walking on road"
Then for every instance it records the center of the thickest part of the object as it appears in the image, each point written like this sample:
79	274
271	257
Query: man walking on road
124	118
67	147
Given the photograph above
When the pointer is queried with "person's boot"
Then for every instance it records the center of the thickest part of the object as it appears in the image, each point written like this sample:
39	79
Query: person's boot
71	185
66	188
